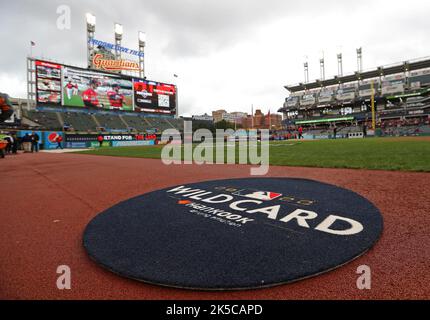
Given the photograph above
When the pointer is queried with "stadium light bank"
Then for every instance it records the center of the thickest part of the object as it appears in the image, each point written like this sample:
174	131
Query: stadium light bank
249	145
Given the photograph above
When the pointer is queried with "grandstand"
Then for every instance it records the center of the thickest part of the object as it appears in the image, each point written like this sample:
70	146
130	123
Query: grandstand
176	123
401	93
46	120
78	120
159	124
57	107
136	123
110	122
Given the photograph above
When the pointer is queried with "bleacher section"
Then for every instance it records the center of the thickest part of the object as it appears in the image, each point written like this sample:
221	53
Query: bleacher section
79	121
110	122
47	120
137	123
159	124
400	90
350	129
177	123
405	131
85	121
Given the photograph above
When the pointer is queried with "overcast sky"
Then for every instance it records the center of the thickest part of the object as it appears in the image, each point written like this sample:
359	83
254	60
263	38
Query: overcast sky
227	53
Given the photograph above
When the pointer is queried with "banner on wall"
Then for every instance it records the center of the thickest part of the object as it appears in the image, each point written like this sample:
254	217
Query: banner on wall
132	143
50	139
93	137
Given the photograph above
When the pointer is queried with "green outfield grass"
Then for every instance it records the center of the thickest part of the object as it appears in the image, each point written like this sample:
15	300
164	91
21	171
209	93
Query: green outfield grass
75	101
405	154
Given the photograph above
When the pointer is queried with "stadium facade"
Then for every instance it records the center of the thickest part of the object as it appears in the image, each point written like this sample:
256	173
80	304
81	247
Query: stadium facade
110	95
400	92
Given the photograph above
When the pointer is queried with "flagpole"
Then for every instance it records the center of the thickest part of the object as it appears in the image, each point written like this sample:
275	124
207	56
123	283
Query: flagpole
252	116
32	44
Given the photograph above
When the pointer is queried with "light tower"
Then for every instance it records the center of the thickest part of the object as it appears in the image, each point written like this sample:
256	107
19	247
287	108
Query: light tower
359	60
142	42
91	28
306	67
322	69
118	38
339	65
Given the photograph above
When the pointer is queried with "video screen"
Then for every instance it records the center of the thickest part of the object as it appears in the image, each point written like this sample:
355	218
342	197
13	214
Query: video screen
48	83
154	97
90	89
49	97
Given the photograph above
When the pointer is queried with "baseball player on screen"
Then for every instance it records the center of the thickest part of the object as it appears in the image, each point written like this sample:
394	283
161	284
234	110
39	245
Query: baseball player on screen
71	89
90	96
116	99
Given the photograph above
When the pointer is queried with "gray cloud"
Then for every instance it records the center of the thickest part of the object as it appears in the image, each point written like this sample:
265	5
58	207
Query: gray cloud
193	37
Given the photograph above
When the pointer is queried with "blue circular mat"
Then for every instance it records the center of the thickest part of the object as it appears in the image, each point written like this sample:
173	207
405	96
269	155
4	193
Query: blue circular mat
233	234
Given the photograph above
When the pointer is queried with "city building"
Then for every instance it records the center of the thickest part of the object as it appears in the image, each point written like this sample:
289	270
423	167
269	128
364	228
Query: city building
233	117
262	121
204	117
218	115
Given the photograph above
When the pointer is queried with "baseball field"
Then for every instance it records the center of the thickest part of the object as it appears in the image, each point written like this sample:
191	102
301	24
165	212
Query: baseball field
51	197
404	154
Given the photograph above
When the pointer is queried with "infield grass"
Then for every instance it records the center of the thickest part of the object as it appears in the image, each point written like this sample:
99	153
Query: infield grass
404	154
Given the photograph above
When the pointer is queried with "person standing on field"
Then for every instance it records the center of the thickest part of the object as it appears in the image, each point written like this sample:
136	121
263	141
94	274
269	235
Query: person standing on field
35	142
100	140
59	139
300	132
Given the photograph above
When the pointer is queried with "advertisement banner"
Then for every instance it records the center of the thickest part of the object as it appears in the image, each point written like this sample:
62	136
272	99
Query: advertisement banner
366	92
93	137
96	144
48	83
103	58
342	96
76	145
325	96
91	89
132	143
154	97
50	139
307	100
394	88
292	101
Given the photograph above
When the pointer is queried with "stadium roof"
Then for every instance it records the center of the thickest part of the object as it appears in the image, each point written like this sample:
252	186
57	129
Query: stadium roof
368	74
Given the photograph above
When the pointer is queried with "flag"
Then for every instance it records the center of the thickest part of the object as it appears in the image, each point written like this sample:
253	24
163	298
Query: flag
33	43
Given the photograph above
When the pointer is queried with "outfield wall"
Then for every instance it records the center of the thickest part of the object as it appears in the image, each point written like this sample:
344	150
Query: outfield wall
48	139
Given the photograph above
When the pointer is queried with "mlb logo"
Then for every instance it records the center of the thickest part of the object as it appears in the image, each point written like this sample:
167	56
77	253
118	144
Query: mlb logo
258	195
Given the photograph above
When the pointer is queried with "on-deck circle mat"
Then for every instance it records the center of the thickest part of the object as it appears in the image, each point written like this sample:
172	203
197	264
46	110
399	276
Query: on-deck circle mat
233	234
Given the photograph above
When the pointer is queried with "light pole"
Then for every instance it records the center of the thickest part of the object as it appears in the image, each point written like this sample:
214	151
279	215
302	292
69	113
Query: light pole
177	96
142	42
339	65
91	28
306	69
118	37
360	60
